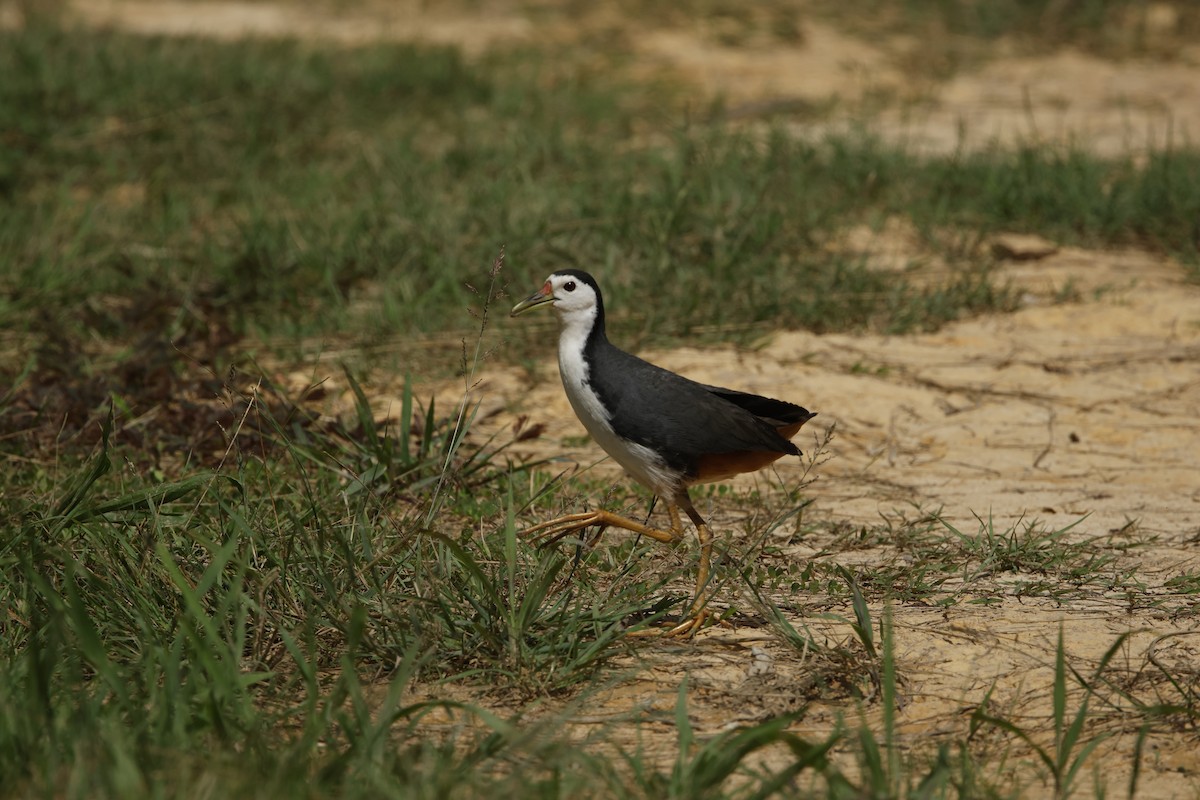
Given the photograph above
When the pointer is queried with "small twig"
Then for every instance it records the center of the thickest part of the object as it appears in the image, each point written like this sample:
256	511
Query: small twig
254	390
1037	462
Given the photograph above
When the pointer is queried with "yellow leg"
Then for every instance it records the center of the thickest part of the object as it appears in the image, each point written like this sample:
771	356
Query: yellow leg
698	611
676	522
547	533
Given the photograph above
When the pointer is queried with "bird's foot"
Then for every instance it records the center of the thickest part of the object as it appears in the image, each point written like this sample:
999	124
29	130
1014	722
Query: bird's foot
683	630
547	533
551	531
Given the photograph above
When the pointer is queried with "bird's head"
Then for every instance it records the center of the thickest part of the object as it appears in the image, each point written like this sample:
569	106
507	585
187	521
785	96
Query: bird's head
573	293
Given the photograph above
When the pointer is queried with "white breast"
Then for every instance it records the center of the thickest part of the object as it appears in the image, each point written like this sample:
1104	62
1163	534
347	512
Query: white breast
642	463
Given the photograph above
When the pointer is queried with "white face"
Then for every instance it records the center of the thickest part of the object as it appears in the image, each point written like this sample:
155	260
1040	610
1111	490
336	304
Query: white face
576	300
572	297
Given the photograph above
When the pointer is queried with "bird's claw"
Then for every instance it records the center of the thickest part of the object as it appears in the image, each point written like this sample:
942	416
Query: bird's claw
547	533
683	630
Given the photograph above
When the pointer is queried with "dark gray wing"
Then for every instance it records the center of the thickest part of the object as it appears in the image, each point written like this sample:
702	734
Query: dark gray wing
680	418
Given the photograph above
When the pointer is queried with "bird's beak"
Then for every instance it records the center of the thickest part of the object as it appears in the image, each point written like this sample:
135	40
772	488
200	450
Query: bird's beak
539	298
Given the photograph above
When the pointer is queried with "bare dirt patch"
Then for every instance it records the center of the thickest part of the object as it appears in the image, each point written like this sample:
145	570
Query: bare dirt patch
1063	99
402	21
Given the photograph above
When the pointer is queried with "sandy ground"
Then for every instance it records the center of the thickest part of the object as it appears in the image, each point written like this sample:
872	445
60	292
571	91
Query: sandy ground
1059	412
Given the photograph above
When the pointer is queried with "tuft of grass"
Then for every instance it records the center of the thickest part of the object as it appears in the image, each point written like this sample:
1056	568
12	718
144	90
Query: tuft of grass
927	559
1068	751
513	617
702	771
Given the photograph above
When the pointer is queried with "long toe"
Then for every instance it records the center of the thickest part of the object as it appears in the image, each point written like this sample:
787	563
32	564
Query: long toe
552	536
682	630
581	520
547	533
688	628
553	530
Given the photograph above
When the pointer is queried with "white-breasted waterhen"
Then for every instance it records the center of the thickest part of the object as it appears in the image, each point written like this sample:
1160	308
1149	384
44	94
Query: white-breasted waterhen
667	431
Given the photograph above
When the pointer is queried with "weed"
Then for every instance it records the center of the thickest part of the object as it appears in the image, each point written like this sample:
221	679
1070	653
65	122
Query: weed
1068	751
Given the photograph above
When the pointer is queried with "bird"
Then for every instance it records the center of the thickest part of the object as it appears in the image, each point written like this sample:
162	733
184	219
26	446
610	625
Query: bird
668	432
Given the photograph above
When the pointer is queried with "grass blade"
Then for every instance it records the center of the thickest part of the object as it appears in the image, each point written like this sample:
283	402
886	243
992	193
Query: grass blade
100	465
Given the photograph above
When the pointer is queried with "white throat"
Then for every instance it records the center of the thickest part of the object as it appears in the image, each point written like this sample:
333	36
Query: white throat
640	462
573	368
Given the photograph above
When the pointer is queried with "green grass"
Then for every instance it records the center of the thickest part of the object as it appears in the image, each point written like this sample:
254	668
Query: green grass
260	629
282	624
278	189
927	559
208	590
181	629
